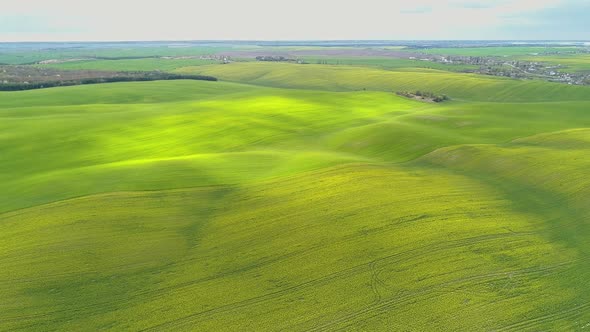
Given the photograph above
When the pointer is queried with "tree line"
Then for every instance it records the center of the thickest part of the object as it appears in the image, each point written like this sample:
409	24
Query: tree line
98	80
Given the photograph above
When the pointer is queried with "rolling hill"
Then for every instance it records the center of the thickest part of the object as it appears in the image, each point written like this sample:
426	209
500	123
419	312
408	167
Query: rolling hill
295	197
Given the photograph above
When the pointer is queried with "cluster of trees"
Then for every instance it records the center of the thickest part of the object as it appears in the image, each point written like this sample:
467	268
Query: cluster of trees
137	57
96	80
424	95
273	58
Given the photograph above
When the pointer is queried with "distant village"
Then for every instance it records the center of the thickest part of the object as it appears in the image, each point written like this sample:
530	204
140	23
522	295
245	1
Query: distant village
520	69
486	65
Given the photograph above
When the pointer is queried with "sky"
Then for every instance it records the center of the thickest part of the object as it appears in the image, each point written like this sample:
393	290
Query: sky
125	20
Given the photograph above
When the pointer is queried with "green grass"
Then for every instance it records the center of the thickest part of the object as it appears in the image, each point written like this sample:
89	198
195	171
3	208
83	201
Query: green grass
27	56
295	253
149	64
296	202
470	87
386	63
497	51
571	63
219	129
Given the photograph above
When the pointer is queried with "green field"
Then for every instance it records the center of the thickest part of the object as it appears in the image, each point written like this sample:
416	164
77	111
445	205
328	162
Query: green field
571	63
498	51
149	64
470	87
386	63
291	197
28	56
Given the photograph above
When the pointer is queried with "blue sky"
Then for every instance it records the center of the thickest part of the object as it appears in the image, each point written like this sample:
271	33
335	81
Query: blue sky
108	20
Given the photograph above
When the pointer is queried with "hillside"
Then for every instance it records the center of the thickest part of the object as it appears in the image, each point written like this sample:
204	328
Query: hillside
295	197
470	87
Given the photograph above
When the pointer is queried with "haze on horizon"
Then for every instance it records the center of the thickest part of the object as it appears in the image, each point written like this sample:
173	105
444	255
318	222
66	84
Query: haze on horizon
110	20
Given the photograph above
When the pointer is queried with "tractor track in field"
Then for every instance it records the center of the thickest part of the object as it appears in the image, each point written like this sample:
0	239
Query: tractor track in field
151	295
343	274
355	270
375	283
409	297
347	238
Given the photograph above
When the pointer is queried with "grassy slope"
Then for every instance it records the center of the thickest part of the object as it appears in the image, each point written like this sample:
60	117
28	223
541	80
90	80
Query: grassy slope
224	133
346	78
296	213
365	247
386	63
227	133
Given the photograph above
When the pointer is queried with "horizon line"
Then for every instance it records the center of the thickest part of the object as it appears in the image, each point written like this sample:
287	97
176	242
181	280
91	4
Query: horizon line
294	40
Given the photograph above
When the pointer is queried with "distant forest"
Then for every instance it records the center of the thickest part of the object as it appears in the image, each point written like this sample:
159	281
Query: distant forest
125	77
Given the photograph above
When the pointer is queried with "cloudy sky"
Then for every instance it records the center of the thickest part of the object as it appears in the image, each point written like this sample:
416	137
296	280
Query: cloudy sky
110	20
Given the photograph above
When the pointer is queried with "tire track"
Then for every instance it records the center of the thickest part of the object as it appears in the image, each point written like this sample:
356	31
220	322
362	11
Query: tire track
346	273
380	308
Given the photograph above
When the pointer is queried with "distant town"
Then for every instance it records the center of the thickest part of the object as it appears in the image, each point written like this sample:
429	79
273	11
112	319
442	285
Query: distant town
497	66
